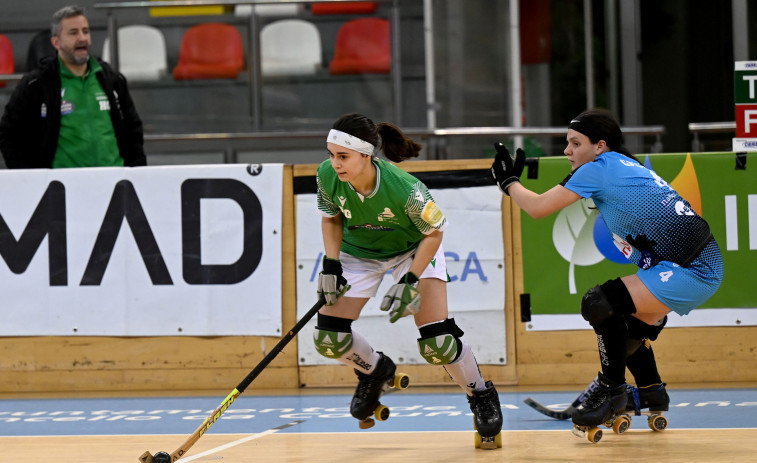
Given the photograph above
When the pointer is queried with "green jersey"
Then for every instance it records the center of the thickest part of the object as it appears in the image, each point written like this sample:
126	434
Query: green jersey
388	222
86	138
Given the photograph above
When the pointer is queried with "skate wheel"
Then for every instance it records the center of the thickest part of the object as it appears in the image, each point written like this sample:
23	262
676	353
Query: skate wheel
381	413
621	424
594	435
487	443
657	423
366	423
401	381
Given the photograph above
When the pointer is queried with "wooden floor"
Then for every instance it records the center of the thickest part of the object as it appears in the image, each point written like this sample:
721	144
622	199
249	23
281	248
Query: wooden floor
730	440
671	446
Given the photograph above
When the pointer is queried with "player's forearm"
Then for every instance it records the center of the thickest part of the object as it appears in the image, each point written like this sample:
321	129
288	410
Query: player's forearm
425	252
332	235
541	205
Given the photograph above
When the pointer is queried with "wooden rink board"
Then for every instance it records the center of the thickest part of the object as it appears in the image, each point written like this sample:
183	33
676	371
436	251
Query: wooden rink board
671	446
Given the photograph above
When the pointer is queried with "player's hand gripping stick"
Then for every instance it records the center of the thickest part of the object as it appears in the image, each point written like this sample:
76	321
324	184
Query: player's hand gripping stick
331	284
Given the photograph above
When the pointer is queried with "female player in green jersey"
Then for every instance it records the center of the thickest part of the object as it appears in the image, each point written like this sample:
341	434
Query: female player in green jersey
377	217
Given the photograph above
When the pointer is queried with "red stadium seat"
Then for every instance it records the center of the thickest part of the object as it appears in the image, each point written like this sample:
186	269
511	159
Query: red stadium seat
210	51
363	46
343	8
7	65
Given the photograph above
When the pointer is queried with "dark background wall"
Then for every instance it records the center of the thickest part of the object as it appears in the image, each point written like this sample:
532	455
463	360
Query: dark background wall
686	60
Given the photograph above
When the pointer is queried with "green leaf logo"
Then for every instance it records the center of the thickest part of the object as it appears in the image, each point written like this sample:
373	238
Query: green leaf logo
573	237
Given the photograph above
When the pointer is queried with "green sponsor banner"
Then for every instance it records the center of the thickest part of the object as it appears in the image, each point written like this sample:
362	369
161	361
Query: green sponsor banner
745	82
566	253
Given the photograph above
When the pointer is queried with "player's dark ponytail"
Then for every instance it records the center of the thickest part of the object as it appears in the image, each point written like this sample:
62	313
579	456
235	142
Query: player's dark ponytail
394	143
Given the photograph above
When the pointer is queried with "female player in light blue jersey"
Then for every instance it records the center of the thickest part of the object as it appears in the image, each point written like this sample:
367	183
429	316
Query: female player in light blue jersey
376	217
680	265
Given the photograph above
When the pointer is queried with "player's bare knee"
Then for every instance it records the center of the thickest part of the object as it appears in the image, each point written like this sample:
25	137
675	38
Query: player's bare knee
332	336
440	342
606	300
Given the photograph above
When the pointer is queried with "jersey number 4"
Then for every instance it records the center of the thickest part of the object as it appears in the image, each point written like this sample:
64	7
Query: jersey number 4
665	276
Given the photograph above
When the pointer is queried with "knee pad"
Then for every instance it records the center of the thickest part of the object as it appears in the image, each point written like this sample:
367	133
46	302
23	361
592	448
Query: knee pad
440	342
601	302
637	329
332	336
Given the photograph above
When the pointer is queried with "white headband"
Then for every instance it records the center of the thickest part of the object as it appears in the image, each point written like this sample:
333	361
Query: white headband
349	141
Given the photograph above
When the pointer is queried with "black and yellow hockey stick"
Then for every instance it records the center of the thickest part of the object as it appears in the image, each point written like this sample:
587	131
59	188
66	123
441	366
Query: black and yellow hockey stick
165	457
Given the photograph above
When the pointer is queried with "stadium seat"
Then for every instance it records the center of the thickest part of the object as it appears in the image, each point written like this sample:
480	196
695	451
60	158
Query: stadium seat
363	46
7	65
141	52
268	11
290	47
343	8
39	47
210	51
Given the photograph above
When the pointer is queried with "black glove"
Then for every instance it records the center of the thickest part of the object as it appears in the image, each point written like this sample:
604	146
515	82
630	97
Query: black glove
506	171
331	284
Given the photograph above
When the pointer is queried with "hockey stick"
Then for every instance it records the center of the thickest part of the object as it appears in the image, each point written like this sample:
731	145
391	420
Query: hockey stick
568	412
159	457
556	414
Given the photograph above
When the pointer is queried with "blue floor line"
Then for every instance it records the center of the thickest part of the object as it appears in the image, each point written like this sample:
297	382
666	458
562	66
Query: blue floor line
690	409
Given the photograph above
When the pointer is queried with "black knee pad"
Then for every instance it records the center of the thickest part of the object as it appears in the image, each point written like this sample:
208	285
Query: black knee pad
601	302
327	322
637	329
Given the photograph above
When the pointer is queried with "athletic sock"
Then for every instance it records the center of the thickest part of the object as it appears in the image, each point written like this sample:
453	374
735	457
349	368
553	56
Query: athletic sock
611	341
361	355
643	366
464	371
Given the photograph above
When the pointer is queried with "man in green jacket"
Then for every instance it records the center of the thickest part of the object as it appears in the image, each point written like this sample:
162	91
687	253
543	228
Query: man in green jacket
74	110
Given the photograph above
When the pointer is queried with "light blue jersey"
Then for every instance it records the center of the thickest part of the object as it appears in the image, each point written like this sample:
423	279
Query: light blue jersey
654	227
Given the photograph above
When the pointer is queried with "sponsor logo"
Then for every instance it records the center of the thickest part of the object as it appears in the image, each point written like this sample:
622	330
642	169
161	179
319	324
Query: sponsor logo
432	214
602	350
387	216
683	209
66	107
357	360
369	226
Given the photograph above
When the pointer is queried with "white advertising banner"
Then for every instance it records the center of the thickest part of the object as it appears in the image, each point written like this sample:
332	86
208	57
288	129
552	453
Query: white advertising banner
476	293
148	251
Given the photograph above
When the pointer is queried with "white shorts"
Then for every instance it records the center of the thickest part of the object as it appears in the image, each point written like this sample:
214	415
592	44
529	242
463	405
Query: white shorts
365	275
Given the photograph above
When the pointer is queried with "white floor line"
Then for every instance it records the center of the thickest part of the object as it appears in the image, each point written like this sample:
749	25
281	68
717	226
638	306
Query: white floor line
240	441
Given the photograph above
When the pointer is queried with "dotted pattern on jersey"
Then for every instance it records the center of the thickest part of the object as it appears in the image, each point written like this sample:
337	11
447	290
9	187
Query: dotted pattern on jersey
641	208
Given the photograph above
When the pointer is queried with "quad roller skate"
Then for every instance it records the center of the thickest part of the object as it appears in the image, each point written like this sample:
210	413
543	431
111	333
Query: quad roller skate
604	403
365	403
487	417
651	401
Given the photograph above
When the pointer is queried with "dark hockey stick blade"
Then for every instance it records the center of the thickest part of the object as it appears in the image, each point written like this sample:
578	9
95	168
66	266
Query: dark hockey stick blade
556	414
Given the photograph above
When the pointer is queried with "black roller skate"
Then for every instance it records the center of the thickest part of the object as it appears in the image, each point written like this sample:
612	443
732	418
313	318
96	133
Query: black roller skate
603	405
370	388
651	401
487	417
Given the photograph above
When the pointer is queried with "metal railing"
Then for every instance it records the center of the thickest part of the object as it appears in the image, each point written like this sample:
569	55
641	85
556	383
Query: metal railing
708	127
229	143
